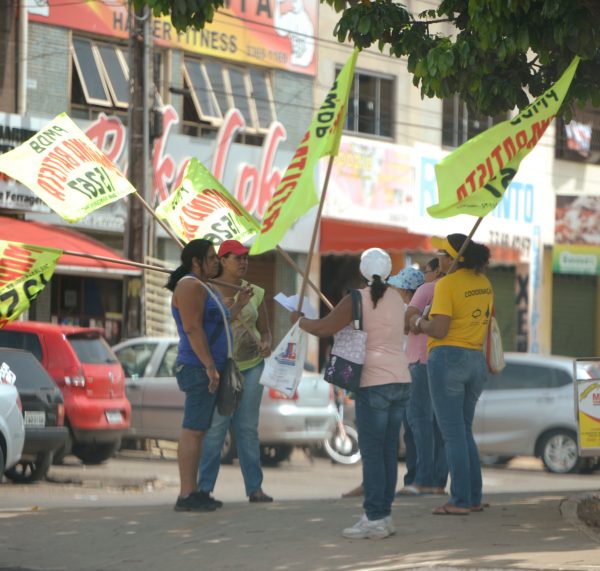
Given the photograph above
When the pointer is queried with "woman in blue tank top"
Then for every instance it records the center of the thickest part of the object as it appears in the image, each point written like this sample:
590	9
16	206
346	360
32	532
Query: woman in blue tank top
201	356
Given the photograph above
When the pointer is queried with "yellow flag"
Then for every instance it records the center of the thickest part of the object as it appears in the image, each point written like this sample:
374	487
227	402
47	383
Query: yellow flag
201	207
296	193
24	272
66	170
473	178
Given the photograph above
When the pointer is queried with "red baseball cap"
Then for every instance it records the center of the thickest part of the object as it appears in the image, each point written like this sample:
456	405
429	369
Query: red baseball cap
232	247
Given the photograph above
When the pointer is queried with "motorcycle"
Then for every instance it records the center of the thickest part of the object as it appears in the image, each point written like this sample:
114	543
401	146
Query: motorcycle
342	445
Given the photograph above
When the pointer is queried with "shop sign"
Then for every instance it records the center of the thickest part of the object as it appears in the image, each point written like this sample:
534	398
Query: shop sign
577	247
274	33
588	416
371	182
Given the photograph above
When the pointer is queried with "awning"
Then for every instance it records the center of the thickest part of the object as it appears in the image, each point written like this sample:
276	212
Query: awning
346	236
38	234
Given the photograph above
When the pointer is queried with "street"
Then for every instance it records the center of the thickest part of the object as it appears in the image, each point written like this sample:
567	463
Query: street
119	516
142	478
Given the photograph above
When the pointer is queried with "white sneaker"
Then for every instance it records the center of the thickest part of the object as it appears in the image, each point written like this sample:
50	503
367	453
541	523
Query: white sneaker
365	528
390	524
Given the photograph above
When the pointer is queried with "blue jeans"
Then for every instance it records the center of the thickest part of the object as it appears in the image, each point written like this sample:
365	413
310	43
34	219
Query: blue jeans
456	378
245	428
432	468
410	450
380	411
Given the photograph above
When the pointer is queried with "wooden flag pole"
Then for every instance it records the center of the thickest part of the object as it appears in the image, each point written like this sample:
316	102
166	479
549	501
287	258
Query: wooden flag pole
164	226
464	246
142	266
296	267
314	233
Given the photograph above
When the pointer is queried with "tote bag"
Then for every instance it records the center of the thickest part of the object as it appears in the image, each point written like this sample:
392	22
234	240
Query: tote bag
494	353
345	365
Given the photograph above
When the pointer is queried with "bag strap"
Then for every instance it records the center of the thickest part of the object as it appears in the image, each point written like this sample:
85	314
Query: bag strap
356	298
220	306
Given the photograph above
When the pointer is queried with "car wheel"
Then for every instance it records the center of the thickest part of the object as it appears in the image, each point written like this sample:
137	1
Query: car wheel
95	453
343	449
273	455
29	471
228	452
558	450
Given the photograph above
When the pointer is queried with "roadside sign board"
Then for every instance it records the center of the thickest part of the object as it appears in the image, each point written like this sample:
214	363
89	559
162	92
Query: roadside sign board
587	405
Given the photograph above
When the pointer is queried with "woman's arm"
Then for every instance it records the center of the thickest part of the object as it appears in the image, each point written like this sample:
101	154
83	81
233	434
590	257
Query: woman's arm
436	327
262	324
190	298
338	318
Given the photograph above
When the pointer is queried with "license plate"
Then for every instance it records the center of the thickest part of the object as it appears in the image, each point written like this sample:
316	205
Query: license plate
34	418
114	417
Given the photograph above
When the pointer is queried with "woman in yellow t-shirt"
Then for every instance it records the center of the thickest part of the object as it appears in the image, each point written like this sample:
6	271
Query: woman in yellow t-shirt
252	343
456	326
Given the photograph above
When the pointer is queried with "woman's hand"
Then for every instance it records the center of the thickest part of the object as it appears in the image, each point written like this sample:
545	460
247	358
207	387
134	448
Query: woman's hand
295	315
264	349
213	379
244	296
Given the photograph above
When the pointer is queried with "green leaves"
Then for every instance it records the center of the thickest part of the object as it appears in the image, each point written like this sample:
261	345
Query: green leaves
184	13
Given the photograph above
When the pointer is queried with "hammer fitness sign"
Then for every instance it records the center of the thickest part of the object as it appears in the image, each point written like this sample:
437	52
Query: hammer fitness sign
66	170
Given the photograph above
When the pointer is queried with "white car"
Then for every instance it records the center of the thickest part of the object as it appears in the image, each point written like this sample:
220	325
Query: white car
12	431
529	410
157	403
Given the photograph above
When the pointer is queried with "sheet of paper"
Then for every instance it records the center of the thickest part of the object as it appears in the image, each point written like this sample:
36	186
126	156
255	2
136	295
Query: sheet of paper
291	303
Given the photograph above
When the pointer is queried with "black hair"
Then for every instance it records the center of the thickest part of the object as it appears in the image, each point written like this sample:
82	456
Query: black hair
476	256
197	248
434	263
378	287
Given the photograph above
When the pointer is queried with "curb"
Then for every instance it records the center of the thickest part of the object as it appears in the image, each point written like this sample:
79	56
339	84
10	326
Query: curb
568	510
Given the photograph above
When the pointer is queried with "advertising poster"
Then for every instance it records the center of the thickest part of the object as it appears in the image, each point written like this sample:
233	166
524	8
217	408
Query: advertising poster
588	401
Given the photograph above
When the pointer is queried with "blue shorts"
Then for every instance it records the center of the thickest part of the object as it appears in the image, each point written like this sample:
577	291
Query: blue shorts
199	403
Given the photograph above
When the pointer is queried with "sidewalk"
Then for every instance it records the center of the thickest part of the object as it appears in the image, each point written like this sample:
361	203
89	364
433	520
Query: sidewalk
517	532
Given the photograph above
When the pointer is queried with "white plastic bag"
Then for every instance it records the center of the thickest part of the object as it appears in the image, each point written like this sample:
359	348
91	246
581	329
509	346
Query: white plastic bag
283	369
494	353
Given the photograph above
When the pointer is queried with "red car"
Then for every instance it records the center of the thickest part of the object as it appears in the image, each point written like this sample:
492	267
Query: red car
91	379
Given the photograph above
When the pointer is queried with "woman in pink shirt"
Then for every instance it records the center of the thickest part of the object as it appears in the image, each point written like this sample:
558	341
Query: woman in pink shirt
384	389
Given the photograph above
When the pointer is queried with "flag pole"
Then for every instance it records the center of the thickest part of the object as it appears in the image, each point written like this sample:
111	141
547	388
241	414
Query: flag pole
464	246
164	226
296	267
141	266
314	233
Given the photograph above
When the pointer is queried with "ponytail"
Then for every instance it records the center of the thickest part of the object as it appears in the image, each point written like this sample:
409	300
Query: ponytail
197	248
175	276
377	288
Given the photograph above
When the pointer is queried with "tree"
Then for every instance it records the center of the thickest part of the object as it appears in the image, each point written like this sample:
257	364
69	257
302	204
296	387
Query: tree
496	54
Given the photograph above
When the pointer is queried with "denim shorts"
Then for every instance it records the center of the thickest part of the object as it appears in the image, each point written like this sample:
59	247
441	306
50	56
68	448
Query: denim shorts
199	403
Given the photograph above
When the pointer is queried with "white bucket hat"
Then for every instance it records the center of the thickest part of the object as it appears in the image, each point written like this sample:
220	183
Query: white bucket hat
375	262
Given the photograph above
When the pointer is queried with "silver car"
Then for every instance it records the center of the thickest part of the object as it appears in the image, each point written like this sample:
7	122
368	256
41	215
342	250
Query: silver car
157	402
529	410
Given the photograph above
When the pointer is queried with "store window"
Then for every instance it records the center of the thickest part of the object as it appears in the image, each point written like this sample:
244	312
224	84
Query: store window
579	140
459	125
213	89
371	105
100	78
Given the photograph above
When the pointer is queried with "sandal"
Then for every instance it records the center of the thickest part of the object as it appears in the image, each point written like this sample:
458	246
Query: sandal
480	507
450	509
259	497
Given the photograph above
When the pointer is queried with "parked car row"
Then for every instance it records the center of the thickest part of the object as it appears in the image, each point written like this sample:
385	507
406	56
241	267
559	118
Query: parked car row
157	402
64	390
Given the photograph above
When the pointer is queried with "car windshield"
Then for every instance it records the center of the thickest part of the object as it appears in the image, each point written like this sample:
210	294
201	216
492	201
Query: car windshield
92	350
28	371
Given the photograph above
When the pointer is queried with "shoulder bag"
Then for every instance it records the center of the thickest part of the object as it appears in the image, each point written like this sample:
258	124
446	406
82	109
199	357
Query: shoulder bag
231	383
492	347
347	357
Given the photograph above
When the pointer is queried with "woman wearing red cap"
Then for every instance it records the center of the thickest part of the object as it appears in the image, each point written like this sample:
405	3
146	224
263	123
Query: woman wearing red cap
456	369
252	343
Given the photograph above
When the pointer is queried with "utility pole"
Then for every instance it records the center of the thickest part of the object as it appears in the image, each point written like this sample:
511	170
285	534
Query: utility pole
135	238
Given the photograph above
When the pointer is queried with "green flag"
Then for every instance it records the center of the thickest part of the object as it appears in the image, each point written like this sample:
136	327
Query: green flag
24	272
473	178
296	193
202	208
